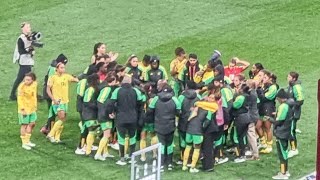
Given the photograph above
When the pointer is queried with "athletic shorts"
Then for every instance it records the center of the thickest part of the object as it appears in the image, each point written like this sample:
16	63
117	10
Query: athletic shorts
27	119
149	127
55	108
106	125
195	139
88	124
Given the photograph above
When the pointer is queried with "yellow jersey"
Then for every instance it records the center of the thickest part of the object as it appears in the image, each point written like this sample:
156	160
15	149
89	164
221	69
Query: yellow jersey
177	66
27	97
143	69
60	87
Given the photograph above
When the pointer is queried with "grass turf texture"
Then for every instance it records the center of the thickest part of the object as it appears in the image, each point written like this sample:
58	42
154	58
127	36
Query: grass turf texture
281	35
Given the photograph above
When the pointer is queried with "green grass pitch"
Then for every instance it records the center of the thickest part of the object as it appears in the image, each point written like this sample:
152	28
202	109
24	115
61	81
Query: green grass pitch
283	35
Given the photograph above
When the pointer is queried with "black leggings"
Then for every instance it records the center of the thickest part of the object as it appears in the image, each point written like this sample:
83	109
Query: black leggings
166	141
23	70
123	130
241	130
282	148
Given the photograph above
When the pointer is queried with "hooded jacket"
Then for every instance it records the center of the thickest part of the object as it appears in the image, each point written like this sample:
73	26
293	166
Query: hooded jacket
187	100
202	118
282	124
164	107
136	74
125	101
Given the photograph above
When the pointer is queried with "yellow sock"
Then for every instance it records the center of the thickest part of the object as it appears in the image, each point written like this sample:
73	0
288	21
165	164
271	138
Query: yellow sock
55	127
293	145
28	136
269	143
23	139
195	157
143	144
154	140
102	144
186	155
90	141
126	145
58	133
282	168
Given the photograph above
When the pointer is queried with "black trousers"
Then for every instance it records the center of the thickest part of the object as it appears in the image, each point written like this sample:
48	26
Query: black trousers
207	149
23	70
282	148
166	141
241	129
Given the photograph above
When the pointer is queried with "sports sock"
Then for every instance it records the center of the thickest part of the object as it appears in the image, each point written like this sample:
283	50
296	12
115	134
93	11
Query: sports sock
28	136
186	155
195	157
23	139
58	133
293	145
55	128
90	141
102	145
143	144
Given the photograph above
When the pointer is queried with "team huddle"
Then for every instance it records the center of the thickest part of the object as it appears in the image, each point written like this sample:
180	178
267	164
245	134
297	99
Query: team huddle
213	108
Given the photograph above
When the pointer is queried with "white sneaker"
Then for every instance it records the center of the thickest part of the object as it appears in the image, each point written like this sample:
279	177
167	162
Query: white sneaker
51	139
121	162
143	158
240	159
179	162
262	146
99	157
115	146
94	148
26	147
170	167
162	169
293	153
107	155
248	153
222	160
184	168
288	174
189	165
280	176
30	144
298	131
79	151
194	170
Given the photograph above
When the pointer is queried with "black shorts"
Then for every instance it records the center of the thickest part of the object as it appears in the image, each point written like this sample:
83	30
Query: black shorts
102	112
89	113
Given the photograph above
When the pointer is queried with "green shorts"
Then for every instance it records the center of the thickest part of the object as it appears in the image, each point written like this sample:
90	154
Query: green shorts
88	124
195	139
27	119
149	127
106	125
55	108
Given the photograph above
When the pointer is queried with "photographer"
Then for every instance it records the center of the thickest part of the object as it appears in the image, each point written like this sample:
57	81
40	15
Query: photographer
23	55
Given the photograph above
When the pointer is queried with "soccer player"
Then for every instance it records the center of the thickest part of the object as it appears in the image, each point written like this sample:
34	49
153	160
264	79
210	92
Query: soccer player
148	124
164	108
51	71
242	120
58	91
27	107
90	111
125	102
144	65
256	68
106	122
99	49
235	67
134	70
296	93
282	131
155	72
81	89
190	69
199	120
206	75
187	99
267	95
176	66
